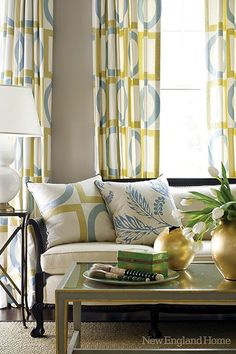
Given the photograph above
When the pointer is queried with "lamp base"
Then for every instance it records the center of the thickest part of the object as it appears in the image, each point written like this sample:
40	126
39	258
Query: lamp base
6	208
9	178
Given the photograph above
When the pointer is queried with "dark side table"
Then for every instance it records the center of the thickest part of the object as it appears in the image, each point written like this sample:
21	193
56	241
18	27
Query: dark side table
24	216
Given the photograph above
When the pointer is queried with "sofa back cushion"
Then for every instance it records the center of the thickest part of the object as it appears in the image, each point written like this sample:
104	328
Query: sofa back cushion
73	212
140	210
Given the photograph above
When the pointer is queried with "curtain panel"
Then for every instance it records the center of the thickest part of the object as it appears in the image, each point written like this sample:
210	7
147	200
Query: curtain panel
126	73
26	37
221	65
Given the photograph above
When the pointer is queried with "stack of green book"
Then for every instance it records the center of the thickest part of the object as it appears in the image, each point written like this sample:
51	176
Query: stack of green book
147	261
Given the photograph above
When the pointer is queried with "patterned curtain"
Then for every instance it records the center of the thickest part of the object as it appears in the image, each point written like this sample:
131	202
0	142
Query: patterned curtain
126	67
221	65
26	36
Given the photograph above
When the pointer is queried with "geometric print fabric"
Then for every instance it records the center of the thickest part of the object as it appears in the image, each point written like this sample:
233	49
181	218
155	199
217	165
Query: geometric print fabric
26	37
221	68
126	74
73	212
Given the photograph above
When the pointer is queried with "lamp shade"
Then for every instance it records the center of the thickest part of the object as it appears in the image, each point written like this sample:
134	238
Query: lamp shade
18	115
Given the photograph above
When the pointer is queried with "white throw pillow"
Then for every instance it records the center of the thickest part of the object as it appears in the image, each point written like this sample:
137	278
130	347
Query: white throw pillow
73	212
140	210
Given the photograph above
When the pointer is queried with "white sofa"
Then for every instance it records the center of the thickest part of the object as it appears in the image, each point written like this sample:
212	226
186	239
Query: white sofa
52	263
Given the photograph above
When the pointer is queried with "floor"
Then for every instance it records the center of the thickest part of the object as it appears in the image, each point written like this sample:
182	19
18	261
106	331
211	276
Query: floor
123	335
14	314
175	327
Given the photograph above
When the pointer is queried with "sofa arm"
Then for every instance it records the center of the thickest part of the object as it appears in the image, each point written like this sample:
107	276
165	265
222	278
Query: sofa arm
40	239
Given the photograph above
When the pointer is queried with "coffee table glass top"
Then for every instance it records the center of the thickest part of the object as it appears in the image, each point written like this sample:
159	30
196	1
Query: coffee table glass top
200	277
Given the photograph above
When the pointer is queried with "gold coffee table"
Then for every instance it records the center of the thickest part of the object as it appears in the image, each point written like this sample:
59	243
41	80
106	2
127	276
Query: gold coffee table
201	284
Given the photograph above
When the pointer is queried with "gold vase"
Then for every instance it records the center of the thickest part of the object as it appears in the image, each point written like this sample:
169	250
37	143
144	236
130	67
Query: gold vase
180	249
223	248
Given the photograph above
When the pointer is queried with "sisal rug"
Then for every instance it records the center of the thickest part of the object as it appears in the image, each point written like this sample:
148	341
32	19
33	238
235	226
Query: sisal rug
15	339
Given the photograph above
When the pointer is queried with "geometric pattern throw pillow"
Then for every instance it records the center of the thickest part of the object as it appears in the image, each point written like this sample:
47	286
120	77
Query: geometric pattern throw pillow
140	210
73	212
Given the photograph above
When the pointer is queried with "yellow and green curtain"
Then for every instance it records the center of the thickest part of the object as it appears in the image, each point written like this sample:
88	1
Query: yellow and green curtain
26	37
221	66
126	73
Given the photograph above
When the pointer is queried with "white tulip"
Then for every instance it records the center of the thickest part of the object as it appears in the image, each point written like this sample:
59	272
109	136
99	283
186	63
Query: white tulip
213	172
189	236
188	233
199	227
186	202
186	230
217	213
178	214
197	246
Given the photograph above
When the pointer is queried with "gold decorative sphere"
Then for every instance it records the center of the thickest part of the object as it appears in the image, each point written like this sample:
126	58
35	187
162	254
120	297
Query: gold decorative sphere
179	248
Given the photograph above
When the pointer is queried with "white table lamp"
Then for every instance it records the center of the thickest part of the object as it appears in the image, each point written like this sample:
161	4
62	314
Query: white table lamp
18	117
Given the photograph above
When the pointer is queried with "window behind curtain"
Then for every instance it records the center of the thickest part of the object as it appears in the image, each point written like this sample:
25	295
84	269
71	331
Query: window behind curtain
183	130
2	13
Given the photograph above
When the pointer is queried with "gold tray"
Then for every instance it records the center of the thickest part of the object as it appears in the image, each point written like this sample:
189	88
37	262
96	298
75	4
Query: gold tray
172	275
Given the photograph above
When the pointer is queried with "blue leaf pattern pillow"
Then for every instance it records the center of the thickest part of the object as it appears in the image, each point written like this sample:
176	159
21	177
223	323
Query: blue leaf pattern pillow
140	210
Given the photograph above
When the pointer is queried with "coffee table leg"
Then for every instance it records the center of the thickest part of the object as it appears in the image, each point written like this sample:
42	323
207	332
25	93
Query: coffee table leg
74	345
77	320
61	323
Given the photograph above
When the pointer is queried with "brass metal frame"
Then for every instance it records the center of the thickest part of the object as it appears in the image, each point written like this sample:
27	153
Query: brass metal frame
71	289
6	207
22	291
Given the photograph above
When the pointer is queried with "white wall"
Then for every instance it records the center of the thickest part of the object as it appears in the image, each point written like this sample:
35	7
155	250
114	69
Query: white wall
72	111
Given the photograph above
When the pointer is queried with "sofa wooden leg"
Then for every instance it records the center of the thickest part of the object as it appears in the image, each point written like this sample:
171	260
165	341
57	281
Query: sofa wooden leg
155	332
37	308
37	311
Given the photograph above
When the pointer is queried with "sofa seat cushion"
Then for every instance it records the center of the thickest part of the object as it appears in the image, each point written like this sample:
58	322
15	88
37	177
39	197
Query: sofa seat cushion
205	254
53	281
57	259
